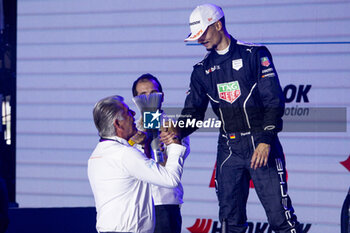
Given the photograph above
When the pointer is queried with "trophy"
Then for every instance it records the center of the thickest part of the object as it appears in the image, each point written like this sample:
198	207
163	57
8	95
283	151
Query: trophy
149	107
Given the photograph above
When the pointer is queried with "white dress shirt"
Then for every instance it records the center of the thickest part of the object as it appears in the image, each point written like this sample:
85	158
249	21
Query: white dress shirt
120	178
163	195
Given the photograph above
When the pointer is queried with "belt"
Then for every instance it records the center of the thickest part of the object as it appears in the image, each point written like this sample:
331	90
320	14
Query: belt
234	135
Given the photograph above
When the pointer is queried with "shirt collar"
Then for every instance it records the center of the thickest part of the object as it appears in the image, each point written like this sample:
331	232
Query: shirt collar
117	139
224	51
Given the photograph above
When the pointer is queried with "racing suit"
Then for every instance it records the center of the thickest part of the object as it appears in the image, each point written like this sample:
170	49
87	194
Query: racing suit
244	91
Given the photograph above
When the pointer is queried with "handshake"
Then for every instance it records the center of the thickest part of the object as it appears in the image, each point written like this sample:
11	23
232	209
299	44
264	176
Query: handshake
167	135
154	148
153	140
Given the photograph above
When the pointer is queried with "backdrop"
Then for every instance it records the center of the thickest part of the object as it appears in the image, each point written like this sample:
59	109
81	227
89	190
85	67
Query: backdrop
71	53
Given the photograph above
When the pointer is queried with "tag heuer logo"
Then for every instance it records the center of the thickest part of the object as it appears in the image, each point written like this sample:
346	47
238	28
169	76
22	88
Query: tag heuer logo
229	91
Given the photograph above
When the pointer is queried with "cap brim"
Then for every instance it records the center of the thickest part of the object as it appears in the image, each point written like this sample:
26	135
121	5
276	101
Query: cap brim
194	37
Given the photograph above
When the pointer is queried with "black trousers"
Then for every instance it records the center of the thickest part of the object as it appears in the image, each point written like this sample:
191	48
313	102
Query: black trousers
233	173
168	219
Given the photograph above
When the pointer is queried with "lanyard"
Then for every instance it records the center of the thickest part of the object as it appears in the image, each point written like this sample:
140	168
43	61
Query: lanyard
108	139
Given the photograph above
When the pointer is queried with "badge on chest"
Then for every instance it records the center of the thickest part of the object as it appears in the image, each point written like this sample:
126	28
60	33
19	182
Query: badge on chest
237	64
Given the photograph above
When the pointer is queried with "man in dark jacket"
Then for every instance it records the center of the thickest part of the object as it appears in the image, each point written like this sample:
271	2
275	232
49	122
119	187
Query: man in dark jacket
241	83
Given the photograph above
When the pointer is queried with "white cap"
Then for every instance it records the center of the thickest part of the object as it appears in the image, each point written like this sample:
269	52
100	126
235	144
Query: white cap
201	18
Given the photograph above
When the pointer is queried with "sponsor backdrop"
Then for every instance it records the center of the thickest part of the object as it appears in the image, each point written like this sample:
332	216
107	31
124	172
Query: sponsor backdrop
72	53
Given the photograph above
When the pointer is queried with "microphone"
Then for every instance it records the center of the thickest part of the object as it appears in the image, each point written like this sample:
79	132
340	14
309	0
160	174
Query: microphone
149	107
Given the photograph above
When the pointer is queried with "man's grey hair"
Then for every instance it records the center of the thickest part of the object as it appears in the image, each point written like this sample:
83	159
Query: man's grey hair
105	112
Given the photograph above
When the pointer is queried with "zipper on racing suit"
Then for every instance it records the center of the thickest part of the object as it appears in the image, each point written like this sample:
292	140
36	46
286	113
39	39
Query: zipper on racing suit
223	128
246	114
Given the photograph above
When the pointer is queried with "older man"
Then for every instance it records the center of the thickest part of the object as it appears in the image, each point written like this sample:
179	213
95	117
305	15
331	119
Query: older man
120	175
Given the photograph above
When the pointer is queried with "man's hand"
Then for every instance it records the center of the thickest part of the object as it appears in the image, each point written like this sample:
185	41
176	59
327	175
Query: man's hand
169	137
170	128
260	156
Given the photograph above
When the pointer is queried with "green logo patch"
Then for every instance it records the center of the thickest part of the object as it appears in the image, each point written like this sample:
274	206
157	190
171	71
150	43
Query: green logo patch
229	91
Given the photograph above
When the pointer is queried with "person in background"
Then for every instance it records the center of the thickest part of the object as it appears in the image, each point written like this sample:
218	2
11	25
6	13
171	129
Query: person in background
120	175
4	218
167	201
241	83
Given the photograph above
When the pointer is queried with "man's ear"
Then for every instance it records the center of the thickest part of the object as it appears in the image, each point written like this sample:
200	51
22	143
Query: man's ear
162	96
218	25
116	126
